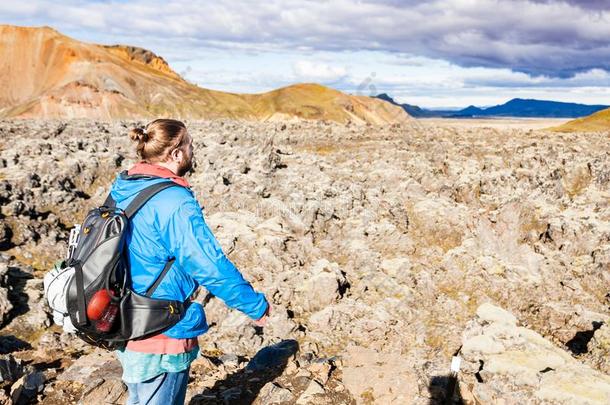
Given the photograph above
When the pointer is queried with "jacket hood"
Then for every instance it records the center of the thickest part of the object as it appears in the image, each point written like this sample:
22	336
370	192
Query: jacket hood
152	169
126	187
129	183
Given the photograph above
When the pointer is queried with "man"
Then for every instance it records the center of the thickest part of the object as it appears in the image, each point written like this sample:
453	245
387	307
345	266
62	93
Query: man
171	225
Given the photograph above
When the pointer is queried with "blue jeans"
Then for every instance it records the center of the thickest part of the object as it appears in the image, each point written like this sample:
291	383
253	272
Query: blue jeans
164	389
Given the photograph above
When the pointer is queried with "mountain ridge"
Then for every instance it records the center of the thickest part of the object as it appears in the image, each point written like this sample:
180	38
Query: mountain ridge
516	107
45	74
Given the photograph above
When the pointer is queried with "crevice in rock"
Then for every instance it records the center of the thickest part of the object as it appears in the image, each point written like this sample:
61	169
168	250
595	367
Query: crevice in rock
478	373
82	195
345	286
546	235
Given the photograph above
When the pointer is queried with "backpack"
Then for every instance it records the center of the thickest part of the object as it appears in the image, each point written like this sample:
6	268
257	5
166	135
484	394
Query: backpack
90	292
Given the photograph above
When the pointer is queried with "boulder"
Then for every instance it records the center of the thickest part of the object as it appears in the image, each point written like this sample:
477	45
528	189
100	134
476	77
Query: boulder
383	378
309	395
272	393
323	287
513	364
5	304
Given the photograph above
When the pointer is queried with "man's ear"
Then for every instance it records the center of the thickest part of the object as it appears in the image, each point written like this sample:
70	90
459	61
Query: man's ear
176	155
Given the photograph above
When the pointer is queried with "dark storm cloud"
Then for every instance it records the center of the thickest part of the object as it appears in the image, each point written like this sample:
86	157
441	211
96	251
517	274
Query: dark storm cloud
553	38
584	4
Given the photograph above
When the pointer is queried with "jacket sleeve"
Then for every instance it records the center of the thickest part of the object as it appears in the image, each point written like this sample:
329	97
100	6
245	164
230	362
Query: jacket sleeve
197	251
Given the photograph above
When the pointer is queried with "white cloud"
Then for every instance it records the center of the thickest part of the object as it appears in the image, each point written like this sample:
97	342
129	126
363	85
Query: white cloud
555	38
455	52
318	71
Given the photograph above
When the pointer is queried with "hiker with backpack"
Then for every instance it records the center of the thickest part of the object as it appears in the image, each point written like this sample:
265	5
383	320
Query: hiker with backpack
135	263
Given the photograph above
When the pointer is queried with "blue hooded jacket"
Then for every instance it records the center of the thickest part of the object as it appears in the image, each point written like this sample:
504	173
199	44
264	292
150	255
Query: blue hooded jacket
170	225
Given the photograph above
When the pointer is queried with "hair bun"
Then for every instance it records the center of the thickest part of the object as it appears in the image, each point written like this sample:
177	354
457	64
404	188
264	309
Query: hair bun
138	134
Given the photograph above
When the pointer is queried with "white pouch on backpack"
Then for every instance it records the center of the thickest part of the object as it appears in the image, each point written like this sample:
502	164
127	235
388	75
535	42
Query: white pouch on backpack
56	284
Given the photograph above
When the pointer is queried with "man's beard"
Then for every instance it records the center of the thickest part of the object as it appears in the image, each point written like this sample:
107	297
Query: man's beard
185	166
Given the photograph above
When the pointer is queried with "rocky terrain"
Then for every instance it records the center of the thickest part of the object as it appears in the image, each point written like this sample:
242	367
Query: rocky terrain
385	250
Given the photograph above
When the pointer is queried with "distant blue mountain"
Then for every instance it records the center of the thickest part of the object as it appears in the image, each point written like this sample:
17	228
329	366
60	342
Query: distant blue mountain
470	111
519	107
412	110
516	107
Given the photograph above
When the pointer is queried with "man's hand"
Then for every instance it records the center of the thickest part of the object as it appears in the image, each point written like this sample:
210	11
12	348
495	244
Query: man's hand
262	321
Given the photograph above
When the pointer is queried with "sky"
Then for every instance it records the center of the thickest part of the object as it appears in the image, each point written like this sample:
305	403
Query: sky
435	54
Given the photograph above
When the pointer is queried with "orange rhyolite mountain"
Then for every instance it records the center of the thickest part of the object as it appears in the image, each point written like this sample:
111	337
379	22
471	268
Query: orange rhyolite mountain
45	74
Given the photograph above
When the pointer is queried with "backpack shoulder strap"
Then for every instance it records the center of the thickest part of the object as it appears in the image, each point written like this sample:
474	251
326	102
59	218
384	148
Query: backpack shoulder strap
145	195
133	207
109	202
153	287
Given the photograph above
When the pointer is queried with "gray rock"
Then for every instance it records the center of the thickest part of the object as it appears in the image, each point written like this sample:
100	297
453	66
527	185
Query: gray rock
523	366
598	349
105	391
308	396
5	304
271	393
24	390
229	359
98	364
324	286
11	369
378	377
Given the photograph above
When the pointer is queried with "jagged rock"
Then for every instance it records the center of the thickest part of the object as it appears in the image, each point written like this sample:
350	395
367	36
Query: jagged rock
11	369
321	370
100	373
438	223
38	314
323	287
599	349
376	377
280	325
576	179
309	395
229	359
5	303
98	364
25	389
510	363
105	391
271	393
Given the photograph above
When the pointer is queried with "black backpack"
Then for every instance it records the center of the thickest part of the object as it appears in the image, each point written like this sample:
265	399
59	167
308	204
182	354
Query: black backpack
100	261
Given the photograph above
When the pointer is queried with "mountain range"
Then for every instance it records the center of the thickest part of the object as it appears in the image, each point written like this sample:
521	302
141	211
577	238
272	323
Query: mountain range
516	107
44	74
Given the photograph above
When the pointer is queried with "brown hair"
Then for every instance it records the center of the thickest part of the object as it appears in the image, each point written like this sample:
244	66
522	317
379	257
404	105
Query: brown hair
158	138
